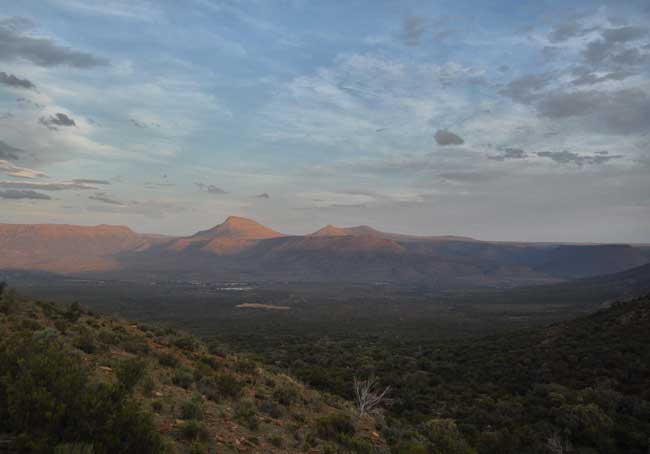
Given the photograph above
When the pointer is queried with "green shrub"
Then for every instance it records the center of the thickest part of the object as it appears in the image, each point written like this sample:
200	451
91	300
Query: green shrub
276	440
130	372
168	360
74	448
62	326
286	395
136	346
183	377
445	438
73	313
86	343
108	338
194	431
211	362
30	325
246	413
412	447
221	386
48	400
148	385
332	427
245	366
186	343
272	409
193	409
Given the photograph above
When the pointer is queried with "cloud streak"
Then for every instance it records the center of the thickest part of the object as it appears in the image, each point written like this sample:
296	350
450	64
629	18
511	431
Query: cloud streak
17	44
45	186
568	157
104	198
8	152
54	121
13	194
15	82
211	189
20	172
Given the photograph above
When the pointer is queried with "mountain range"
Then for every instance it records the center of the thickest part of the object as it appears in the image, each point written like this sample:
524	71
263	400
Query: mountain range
244	250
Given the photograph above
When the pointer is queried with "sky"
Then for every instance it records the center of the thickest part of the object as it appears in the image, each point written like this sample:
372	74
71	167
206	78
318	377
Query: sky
500	120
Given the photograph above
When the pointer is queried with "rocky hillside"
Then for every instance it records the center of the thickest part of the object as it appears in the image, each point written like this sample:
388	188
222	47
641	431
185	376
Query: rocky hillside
73	381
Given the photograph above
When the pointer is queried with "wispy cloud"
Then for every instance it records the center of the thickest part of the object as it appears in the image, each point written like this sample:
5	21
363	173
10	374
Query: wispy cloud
9	152
20	172
210	188
59	119
104	198
12	81
45	186
23	194
16	43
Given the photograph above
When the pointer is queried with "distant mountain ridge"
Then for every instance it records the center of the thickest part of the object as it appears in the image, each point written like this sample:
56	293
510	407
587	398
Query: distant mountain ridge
68	248
242	249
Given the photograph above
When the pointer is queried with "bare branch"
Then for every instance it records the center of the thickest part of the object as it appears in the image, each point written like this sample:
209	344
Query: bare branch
367	396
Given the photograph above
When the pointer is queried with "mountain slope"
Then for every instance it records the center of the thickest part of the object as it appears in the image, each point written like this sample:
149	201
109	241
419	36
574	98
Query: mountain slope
242	249
67	248
365	230
74	380
581	261
232	236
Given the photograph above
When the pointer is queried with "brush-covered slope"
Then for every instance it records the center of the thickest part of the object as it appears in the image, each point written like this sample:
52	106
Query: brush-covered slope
73	381
67	248
582	386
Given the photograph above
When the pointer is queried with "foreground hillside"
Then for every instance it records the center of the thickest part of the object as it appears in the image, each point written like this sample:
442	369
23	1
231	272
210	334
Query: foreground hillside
72	381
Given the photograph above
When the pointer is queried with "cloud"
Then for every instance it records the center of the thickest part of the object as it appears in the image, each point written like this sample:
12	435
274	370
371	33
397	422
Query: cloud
23	194
148	208
263	195
586	77
45	186
510	153
13	81
568	157
445	137
624	34
527	88
616	46
615	112
17	44
568	104
9	152
90	181
566	30
413	27
58	119
210	188
20	172
104	198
